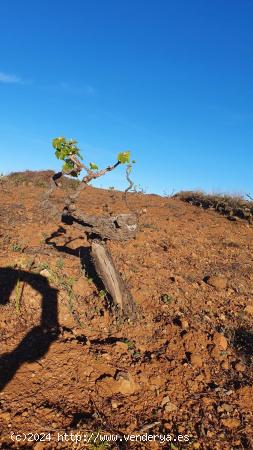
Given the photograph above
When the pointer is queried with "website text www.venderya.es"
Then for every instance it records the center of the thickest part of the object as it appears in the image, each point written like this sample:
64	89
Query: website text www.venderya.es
99	437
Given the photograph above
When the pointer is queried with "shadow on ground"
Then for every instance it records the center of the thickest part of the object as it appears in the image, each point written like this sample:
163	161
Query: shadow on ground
38	340
243	343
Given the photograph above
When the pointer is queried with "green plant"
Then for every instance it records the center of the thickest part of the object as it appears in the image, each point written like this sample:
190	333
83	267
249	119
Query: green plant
45	236
95	443
102	294
44	265
130	345
67	151
60	263
167	299
17	247
66	283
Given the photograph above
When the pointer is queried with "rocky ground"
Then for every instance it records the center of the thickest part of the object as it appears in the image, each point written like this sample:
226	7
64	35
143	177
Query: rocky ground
184	370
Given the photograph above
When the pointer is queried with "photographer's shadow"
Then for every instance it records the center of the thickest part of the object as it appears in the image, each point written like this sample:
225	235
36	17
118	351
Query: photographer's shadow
37	341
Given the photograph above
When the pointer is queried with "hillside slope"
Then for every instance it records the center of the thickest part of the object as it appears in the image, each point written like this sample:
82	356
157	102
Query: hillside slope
66	365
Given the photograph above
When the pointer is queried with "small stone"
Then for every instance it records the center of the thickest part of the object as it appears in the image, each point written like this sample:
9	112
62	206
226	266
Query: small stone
125	385
220	340
184	324
196	360
45	273
170	407
226	407
121	347
231	423
165	400
249	309
5	416
39	446
239	367
217	281
114	404
225	365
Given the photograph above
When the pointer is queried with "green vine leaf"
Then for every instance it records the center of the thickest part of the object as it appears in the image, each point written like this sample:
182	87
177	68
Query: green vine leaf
64	147
93	166
68	166
124	157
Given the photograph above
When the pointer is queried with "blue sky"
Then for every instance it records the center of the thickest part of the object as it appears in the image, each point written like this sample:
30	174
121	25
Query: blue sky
170	80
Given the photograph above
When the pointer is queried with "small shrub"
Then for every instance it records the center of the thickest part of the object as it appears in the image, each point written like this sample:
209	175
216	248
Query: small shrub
16	247
60	263
167	299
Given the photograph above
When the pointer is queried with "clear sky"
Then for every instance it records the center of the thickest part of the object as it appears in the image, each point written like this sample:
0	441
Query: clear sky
170	80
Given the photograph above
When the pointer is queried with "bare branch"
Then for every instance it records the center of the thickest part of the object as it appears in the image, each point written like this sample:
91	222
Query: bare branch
131	184
91	175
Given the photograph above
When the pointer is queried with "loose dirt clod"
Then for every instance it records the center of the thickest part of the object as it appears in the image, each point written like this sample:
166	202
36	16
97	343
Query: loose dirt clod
216	281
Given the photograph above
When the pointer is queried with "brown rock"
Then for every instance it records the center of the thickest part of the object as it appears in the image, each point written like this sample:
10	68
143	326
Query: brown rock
196	360
45	273
122	383
239	367
39	446
125	386
169	407
226	407
231	423
121	347
217	281
249	309
114	404
220	340
5	416
216	353
225	365
196	445
184	324
165	400
246	398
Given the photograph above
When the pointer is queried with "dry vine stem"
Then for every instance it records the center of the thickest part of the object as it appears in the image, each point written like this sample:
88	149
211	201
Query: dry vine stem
98	230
